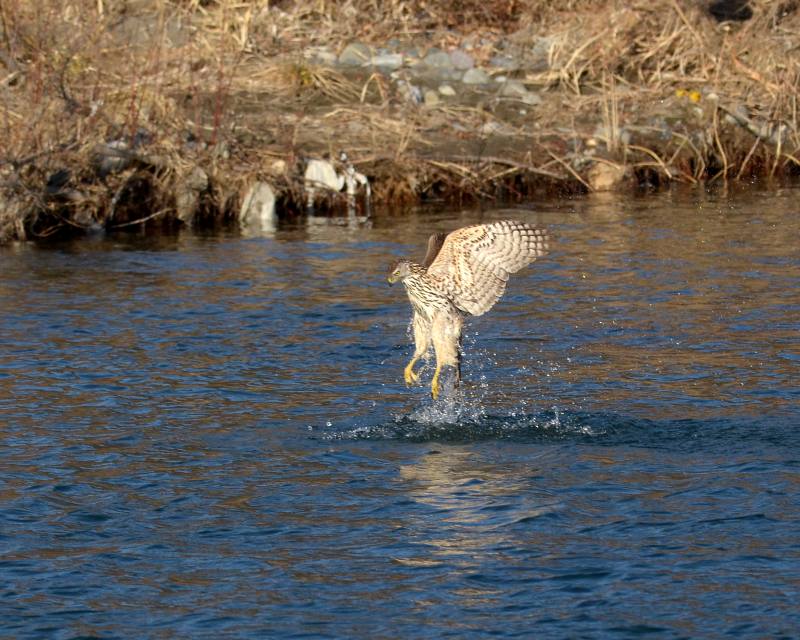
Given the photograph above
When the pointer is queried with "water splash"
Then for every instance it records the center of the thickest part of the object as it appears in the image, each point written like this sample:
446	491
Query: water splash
481	408
456	421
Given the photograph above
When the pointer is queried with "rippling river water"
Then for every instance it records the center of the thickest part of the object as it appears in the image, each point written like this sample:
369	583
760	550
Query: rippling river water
209	437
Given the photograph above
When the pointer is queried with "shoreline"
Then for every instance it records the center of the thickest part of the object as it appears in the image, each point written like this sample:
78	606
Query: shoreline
167	115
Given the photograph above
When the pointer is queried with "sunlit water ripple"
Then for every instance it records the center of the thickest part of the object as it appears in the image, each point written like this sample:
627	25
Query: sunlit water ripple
209	436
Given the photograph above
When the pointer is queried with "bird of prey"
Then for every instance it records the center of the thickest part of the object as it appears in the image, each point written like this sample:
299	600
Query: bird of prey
464	272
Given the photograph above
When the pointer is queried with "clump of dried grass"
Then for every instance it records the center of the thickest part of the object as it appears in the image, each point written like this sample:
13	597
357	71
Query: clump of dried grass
658	87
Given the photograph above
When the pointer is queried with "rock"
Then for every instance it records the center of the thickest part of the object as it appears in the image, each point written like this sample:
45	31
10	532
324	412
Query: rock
475	76
85	219
447	90
461	60
278	167
532	99
322	174
355	54
604	176
57	182
513	89
187	195
433	76
431	98
537	59
320	55
387	61
437	59
410	92
505	62
413	52
492	128
112	157
257	214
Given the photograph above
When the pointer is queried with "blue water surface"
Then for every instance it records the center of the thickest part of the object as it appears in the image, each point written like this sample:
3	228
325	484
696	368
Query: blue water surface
209	436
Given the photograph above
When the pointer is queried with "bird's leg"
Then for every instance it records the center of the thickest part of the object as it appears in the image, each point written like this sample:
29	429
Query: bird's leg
446	338
422	341
408	373
435	381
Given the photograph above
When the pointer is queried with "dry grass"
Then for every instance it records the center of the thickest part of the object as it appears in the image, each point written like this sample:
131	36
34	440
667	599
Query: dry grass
659	89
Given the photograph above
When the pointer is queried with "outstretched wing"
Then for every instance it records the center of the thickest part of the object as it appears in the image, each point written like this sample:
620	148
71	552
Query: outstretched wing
474	262
435	243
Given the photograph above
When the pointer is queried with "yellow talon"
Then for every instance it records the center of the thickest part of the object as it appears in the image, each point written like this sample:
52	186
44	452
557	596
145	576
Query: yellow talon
435	383
409	375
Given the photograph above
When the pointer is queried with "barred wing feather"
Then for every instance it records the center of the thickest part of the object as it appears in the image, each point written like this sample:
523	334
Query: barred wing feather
474	262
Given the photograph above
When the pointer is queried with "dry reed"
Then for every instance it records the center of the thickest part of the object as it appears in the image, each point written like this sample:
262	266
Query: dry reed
109	109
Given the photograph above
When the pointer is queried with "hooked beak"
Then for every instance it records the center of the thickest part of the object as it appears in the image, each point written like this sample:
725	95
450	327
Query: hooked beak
391	280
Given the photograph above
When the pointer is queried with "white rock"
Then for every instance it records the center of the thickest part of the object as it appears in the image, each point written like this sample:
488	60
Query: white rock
257	214
447	90
320	174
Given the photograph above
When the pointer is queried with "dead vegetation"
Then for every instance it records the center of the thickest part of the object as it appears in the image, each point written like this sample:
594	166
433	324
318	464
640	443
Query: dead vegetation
122	113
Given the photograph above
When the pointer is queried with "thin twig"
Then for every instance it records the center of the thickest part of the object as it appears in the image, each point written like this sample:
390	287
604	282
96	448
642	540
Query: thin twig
140	220
570	169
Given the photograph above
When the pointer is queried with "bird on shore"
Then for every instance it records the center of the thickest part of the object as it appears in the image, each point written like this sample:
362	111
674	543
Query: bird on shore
463	273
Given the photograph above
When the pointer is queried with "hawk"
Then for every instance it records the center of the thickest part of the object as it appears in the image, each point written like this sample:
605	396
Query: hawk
464	272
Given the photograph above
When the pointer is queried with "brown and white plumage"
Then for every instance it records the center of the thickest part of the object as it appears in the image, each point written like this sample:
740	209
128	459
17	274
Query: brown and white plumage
464	272
474	262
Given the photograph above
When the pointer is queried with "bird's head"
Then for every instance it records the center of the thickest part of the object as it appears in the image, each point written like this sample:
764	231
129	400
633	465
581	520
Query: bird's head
398	270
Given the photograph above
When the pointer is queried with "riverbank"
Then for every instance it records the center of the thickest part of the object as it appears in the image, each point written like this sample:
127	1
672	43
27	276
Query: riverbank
160	114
